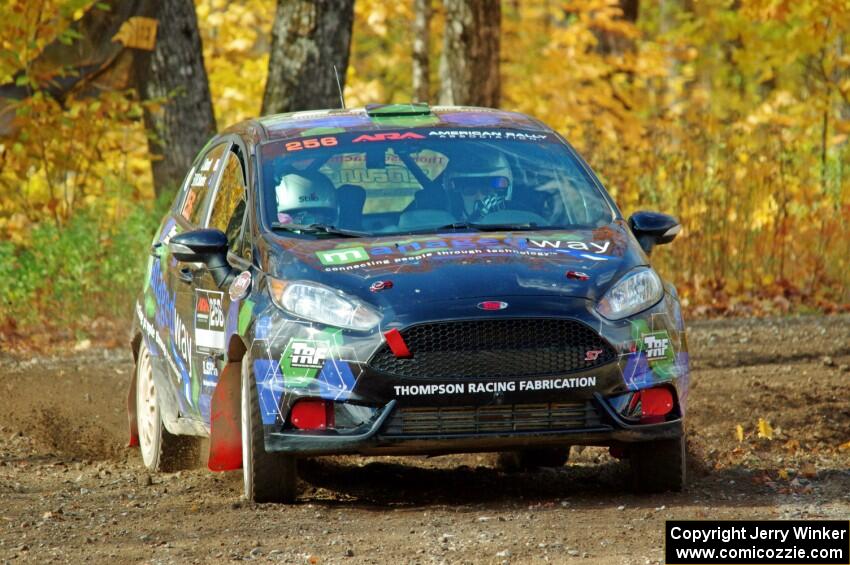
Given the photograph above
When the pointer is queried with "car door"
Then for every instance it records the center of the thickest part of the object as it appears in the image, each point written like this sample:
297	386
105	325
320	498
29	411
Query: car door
227	214
184	277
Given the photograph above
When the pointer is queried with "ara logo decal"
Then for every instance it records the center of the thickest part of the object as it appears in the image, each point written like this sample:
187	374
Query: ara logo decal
390	136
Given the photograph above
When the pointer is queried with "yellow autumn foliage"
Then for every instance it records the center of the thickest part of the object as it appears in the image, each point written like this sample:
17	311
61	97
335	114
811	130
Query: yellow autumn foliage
735	117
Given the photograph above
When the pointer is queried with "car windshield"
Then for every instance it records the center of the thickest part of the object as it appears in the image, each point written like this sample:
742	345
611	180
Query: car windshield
426	180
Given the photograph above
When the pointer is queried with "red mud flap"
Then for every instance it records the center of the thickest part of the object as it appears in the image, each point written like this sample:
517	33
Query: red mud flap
131	413
225	421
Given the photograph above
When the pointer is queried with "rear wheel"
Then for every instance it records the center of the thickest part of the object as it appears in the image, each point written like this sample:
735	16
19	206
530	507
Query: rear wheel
161	450
267	477
530	459
658	466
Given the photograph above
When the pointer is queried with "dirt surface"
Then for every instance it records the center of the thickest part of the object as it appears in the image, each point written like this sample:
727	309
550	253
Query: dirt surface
71	492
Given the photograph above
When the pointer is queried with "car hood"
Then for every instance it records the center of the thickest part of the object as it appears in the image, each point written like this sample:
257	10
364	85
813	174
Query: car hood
439	267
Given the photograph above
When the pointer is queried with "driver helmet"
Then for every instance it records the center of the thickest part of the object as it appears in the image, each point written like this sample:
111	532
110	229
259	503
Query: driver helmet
306	200
483	183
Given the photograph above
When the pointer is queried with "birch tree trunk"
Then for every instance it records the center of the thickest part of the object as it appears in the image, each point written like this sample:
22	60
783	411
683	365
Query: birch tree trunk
309	37
469	65
421	46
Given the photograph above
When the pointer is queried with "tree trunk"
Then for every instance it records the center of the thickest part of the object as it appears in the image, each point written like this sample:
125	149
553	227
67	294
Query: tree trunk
469	65
309	37
174	72
421	46
612	42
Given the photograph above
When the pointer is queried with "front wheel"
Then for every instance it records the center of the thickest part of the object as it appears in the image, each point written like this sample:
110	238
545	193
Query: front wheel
267	477
161	450
658	466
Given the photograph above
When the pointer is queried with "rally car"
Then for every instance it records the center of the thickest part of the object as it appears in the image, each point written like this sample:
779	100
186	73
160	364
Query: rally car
404	279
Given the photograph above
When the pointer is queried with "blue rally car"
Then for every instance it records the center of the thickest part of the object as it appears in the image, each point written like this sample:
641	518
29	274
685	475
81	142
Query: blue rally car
404	279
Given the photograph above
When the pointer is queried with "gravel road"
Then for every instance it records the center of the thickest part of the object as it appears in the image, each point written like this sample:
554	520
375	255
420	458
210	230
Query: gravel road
71	492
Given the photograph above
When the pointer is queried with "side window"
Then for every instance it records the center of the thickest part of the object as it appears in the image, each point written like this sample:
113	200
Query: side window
230	201
175	206
201	183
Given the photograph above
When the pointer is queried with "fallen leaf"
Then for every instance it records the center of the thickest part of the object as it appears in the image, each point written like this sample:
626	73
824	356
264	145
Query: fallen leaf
844	446
783	474
764	429
809	471
739	432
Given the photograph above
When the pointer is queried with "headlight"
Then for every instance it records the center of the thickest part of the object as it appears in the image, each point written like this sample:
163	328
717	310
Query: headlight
321	304
635	292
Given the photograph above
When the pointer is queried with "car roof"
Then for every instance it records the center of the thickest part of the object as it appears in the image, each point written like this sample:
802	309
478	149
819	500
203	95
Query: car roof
390	117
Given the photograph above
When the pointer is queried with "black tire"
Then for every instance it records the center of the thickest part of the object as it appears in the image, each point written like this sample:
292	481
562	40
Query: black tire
658	466
162	450
267	477
530	459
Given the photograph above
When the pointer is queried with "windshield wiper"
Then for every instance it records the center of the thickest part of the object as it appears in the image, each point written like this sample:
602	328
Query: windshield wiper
487	227
508	227
319	228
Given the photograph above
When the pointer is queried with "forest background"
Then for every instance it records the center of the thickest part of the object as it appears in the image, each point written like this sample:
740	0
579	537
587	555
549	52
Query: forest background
733	115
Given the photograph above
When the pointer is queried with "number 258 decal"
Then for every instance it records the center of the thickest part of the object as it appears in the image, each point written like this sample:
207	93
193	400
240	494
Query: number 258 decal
311	143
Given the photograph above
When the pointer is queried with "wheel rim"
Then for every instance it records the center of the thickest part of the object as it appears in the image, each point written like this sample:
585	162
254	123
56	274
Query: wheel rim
147	409
245	411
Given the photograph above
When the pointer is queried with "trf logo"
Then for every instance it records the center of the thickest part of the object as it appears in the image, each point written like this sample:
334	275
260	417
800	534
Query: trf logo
342	256
306	355
656	346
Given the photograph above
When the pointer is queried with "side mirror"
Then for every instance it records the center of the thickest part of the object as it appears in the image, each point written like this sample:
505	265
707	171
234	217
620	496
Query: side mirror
207	246
653	228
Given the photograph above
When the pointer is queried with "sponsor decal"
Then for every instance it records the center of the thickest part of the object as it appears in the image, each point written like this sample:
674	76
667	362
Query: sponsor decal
240	286
206	165
345	258
486	134
578	275
208	368
310	144
302	359
209	321
309	354
653	356
342	256
312	197
388	136
657	346
199	180
572	245
432	389
167	319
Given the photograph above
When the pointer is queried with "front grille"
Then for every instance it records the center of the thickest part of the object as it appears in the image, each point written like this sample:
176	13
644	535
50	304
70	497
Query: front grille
496	348
550	416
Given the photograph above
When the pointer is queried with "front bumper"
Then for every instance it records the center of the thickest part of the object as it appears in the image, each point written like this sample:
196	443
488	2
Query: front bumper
375	437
